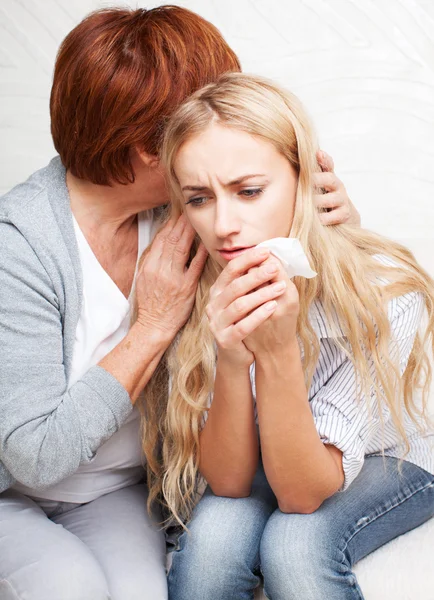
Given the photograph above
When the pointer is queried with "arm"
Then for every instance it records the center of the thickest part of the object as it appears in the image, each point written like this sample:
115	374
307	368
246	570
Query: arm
300	469
46	429
229	446
229	439
311	452
165	292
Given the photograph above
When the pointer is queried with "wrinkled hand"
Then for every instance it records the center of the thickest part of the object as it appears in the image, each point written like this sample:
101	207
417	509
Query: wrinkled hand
240	300
165	286
335	196
279	331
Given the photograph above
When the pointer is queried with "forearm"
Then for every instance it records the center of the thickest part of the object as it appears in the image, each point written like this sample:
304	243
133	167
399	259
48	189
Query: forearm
38	450
229	446
301	470
133	361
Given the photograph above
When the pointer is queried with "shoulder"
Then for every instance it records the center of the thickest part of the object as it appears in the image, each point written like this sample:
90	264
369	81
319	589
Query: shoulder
23	275
35	217
404	313
406	306
38	245
32	191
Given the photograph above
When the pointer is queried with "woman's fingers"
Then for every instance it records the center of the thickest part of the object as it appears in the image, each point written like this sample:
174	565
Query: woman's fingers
165	288
243	306
240	265
158	243
336	216
327	181
172	243
237	333
332	197
330	200
242	285
325	161
178	243
197	264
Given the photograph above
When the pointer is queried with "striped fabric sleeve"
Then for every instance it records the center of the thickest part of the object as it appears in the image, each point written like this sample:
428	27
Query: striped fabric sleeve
344	418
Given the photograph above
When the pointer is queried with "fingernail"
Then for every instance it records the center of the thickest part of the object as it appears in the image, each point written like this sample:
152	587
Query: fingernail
271	305
279	286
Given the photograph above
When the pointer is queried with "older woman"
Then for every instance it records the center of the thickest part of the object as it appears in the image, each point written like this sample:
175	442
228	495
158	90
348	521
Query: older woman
73	521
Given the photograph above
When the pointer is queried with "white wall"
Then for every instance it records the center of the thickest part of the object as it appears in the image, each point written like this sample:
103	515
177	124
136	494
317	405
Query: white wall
364	68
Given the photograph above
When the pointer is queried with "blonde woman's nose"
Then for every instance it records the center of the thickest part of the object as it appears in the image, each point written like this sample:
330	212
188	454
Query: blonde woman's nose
227	220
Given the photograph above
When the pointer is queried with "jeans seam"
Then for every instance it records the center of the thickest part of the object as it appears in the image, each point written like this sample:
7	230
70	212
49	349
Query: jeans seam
384	512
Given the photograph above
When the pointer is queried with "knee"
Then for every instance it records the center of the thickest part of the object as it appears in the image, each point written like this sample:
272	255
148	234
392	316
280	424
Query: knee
296	553
59	581
85	582
216	552
221	531
303	536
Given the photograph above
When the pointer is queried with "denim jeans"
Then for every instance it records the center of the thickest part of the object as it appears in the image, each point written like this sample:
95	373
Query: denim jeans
231	542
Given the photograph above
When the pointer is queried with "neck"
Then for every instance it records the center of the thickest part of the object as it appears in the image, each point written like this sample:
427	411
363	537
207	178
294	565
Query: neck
97	207
103	206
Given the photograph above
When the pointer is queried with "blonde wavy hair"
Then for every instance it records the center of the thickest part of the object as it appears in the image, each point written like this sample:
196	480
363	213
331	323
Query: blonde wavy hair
353	286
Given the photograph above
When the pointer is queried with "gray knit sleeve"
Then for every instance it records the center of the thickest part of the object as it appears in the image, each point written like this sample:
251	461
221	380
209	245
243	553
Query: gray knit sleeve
46	430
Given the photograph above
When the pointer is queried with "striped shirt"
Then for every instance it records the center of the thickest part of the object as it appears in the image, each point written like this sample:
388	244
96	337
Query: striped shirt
343	418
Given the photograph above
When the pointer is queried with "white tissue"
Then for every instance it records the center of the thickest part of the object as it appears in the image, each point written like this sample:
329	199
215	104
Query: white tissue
290	252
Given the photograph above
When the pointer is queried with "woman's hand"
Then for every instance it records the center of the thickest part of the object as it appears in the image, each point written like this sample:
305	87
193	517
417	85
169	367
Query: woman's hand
165	286
240	300
278	333
335	198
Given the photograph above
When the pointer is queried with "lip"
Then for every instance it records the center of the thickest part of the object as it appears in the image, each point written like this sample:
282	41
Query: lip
231	253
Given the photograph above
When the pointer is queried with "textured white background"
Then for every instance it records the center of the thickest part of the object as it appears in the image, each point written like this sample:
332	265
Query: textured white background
364	68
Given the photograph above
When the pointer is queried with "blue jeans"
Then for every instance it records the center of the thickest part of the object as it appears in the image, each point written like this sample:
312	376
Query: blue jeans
301	556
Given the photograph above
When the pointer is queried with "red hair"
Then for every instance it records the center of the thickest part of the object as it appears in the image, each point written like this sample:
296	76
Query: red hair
118	77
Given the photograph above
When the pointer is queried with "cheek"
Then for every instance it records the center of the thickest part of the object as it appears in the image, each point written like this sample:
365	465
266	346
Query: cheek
289	218
201	227
276	218
284	214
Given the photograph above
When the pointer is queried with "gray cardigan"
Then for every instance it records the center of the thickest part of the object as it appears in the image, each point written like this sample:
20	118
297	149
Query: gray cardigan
46	431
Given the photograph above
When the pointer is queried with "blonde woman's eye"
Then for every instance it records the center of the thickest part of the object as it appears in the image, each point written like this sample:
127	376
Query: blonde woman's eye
251	192
197	201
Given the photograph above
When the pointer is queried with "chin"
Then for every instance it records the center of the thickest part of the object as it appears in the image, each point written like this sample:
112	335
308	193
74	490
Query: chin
221	261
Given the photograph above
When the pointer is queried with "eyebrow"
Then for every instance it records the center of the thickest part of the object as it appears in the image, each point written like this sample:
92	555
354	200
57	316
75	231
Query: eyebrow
200	188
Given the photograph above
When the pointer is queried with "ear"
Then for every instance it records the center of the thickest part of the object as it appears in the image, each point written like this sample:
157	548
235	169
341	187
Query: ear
150	160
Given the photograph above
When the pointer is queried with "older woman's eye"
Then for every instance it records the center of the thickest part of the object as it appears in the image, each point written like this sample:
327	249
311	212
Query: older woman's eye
251	192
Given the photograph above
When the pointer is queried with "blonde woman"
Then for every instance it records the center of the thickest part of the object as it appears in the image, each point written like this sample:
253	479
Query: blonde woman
294	399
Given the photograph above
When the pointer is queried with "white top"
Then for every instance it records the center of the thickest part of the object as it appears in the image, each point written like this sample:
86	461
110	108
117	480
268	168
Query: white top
104	321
